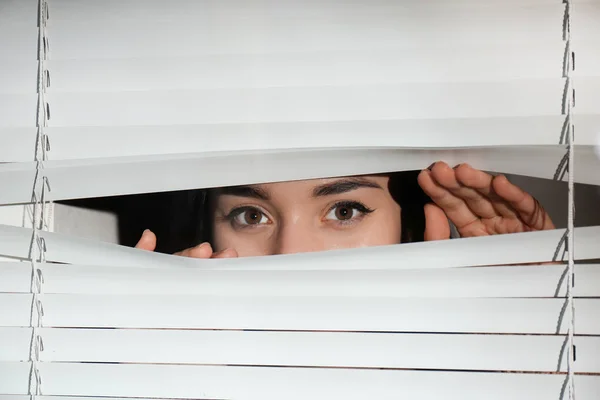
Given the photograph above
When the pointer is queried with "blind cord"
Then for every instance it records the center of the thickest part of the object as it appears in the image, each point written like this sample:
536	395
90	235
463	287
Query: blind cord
570	103
37	250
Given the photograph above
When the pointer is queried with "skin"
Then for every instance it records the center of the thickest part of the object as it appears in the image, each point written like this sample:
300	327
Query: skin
326	214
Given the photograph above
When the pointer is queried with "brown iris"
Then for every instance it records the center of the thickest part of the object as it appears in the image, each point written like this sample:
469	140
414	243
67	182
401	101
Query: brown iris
343	213
252	216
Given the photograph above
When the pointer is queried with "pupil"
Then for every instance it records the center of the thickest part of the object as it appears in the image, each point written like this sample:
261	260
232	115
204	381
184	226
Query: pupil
343	213
252	217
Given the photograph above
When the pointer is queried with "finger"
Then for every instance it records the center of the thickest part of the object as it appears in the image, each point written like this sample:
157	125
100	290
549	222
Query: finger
482	183
227	253
203	250
147	241
455	208
436	223
528	208
477	203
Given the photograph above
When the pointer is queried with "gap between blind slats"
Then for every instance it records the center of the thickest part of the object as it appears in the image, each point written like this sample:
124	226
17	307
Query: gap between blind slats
308	349
366	314
485	250
291	383
501	281
70	179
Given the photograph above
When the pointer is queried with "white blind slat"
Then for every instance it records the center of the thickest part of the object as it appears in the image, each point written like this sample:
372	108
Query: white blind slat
99	141
584	21
14	377
82	142
294	69
15	277
587	59
317	349
17	76
311	103
18	38
17	144
372	314
266	27
18	110
587	94
274	383
486	250
117	176
16	309
503	281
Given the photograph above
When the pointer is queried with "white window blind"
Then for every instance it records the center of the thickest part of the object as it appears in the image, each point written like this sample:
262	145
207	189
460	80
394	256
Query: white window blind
101	98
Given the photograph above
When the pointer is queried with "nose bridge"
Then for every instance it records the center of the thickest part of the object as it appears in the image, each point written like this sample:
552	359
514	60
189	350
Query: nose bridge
296	235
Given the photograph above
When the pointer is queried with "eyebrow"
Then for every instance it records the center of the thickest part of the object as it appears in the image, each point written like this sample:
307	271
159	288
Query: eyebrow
343	186
245	191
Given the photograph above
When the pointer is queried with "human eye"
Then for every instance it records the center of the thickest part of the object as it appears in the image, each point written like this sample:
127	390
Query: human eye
247	217
345	212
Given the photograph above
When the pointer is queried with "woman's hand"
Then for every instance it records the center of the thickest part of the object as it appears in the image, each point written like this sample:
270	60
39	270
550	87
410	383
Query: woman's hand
203	250
478	204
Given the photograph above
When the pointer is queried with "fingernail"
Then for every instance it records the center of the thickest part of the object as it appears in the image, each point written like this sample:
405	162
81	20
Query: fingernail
457	165
204	245
431	166
146	232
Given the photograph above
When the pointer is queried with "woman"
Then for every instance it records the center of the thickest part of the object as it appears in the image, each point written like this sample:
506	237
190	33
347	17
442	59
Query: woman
369	210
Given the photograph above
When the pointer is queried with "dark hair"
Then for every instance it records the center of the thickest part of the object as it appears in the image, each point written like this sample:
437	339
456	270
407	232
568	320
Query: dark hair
405	189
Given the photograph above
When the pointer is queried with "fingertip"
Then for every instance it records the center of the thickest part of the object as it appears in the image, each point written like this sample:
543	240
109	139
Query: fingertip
501	177
147	240
423	175
462	167
425	180
504	188
469	176
203	250
440	166
442	172
227	253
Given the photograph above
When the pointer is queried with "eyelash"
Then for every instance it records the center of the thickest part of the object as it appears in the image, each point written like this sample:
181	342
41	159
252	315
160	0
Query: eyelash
236	212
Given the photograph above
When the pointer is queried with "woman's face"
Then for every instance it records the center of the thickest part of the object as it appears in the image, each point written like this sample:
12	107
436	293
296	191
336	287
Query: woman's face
305	216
